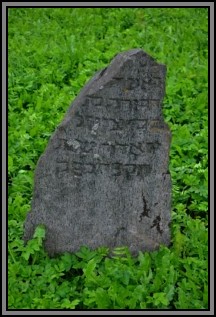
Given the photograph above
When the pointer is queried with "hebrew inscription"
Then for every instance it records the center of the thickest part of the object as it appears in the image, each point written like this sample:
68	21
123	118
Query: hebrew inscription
103	179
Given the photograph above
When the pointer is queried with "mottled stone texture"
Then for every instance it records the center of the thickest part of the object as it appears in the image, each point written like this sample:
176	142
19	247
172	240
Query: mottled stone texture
103	179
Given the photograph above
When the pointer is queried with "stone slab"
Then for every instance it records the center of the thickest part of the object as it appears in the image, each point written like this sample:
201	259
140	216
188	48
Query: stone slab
103	179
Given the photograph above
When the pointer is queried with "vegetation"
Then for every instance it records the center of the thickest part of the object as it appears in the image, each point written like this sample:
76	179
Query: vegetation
52	52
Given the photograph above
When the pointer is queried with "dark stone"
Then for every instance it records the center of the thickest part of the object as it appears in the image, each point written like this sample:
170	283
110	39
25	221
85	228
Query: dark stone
103	179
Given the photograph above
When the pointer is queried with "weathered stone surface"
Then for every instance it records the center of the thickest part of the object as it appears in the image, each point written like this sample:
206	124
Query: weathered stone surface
103	179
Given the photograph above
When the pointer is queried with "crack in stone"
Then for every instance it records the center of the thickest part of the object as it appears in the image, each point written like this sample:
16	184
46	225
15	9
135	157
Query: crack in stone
157	224
146	210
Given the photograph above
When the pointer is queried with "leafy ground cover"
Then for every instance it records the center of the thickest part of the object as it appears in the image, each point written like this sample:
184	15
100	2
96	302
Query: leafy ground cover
52	52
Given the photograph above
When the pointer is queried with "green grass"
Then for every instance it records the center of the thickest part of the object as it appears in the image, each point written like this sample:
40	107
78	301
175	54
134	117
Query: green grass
52	53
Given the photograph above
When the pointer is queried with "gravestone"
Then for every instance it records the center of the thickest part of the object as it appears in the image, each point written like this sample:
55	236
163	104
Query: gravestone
103	179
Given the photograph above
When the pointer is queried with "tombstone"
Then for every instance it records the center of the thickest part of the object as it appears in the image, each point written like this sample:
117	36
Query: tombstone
103	179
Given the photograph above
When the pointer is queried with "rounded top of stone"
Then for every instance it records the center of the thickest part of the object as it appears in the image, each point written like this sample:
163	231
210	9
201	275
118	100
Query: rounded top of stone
125	62
135	53
123	65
